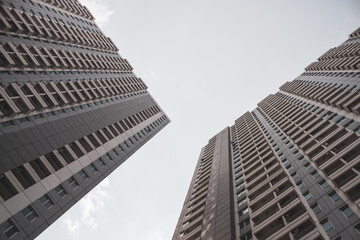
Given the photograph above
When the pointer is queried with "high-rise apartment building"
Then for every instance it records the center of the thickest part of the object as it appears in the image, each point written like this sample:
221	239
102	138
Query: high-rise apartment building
71	111
290	169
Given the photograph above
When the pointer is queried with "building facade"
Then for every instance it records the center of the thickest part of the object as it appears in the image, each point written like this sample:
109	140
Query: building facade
71	111
290	169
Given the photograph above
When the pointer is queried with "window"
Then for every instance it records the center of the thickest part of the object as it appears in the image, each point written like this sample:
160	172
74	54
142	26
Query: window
46	202
93	140
241	193
294	176
315	175
92	168
29	213
247	236
316	208
100	162
8	229
60	191
7	190
324	184
347	211
66	155
8	123
83	174
244	223
307	195
308	166
23	176
334	196
357	227
107	157
40	168
76	149
240	185
53	160
326	225
73	183
85	144
244	211
242	201
300	185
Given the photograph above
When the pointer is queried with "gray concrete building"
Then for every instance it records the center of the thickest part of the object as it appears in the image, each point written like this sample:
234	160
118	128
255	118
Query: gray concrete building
71	111
289	169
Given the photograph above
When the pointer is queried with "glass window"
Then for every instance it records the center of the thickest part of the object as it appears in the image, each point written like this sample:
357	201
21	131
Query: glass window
242	201
334	196
66	155
83	174
53	160
73	183
300	185
23	176
347	211
29	213
7	190
244	223
315	175
100	162
307	195
241	193
316	208
8	229
327	225
324	184
244	211
46	202
40	168
92	168
61	191
294	176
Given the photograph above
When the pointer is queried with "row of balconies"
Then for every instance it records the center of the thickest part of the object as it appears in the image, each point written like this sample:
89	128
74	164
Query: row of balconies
20	22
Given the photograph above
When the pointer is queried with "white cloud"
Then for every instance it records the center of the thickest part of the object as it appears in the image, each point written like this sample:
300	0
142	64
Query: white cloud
91	204
71	225
99	10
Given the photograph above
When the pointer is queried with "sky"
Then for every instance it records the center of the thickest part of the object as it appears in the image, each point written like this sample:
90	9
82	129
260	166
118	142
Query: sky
206	63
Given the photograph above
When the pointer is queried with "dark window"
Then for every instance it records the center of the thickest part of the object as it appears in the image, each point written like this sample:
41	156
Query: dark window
100	136
300	185
327	225
93	140
307	195
83	174
244	223
7	190
54	161
316	208
347	211
29	213
324	184
73	183
92	168
46	202
85	145
23	176
100	162
8	229
40	168
66	155
334	196
76	149
60	191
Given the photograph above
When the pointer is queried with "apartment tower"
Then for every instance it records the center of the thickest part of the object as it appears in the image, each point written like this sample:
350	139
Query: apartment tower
71	111
290	169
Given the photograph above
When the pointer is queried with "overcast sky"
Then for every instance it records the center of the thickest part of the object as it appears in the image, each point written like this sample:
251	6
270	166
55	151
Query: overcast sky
206	63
